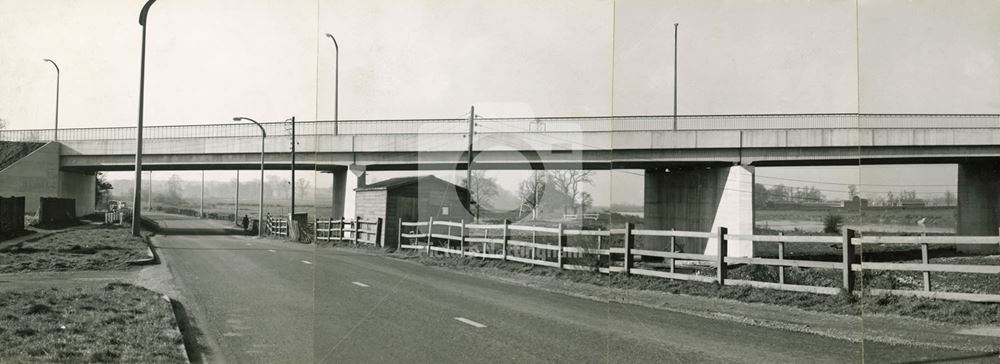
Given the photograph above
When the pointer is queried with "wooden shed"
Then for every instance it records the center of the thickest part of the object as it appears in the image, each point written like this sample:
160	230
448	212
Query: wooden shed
411	199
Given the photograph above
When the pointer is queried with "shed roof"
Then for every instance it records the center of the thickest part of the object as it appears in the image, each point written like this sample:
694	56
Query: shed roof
398	182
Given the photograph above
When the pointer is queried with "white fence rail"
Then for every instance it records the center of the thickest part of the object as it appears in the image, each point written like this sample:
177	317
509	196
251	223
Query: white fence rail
614	250
357	231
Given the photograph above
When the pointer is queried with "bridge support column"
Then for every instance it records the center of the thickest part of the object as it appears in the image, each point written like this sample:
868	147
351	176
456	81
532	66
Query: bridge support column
201	207
978	203
339	187
701	199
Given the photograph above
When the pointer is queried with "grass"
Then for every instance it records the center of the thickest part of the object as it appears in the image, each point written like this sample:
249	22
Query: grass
105	248
939	310
116	322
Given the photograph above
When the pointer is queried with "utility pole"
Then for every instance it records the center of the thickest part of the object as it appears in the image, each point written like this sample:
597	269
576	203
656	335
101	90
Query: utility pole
201	207
236	213
468	168
293	171
675	75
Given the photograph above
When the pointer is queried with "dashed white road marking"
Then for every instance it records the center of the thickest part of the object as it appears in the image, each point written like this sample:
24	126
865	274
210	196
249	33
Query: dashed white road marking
307	262
470	322
271	250
248	244
359	284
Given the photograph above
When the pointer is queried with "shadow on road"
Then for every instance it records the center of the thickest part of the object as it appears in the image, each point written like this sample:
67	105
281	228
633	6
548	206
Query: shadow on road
193	336
201	231
956	358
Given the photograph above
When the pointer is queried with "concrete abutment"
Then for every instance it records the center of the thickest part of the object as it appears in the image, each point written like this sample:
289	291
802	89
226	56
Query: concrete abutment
700	199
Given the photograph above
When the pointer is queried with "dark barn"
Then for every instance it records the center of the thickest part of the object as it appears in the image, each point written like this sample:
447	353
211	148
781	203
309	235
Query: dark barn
411	199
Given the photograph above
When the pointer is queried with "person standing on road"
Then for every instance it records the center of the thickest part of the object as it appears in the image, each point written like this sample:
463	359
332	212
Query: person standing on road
246	222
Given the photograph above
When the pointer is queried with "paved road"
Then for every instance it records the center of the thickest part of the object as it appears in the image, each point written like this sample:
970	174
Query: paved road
264	301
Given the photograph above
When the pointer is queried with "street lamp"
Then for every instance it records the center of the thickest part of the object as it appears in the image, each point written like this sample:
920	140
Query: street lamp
336	81
675	75
260	211
55	135
137	199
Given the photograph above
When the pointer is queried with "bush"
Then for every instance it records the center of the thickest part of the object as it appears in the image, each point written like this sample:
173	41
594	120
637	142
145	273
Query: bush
832	223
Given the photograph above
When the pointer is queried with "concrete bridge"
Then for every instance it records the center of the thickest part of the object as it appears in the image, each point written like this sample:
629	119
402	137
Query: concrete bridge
699	175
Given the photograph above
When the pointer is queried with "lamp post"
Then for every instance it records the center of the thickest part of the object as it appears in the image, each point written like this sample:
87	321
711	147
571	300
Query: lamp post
55	135
675	75
260	208
336	81
137	199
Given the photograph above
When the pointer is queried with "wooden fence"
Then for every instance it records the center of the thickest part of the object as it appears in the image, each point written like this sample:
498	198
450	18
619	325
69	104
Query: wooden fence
277	226
114	217
357	231
608	251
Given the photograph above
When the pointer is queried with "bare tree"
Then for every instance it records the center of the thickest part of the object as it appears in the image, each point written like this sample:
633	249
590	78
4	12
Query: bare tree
568	182
532	190
483	189
302	188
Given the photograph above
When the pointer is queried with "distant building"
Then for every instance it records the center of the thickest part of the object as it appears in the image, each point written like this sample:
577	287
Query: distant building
411	199
856	203
913	203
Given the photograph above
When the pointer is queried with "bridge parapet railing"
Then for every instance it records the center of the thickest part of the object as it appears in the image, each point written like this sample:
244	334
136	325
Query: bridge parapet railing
308	129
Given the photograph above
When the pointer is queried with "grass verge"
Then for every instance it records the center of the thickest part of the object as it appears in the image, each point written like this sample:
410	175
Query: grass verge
116	322
105	248
938	310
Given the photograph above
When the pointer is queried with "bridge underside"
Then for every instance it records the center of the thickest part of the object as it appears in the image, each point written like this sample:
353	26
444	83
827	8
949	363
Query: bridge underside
527	160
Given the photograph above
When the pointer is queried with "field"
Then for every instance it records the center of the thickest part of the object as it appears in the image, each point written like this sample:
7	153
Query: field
883	219
115	322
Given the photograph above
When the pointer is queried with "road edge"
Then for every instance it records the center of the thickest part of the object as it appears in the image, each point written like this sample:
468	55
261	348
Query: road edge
177	328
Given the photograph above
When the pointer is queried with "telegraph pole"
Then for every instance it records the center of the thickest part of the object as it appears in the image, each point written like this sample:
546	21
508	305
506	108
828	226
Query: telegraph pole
468	168
293	170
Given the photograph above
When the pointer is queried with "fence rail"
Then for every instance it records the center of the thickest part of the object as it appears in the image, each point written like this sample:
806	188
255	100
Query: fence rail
357	231
114	217
277	226
614	251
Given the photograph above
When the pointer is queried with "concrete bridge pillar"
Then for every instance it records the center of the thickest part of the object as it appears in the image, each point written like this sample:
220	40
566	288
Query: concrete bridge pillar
978	203
700	199
339	193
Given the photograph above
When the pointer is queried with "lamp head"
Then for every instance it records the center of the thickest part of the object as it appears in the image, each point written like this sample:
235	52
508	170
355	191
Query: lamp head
144	12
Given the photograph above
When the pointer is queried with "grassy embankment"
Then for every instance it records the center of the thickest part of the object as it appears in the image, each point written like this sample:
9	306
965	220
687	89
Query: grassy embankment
104	248
116	322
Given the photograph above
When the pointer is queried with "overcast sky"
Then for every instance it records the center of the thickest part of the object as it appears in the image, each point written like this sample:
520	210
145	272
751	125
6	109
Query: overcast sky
211	60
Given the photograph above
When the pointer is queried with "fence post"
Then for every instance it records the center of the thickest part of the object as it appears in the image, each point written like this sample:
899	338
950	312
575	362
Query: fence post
629	240
461	240
848	258
341	237
430	230
781	256
357	229
378	233
506	223
562	243
399	235
721	259
329	232
673	249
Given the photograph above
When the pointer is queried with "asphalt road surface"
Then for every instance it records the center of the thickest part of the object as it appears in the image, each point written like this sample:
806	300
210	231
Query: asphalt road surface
262	301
